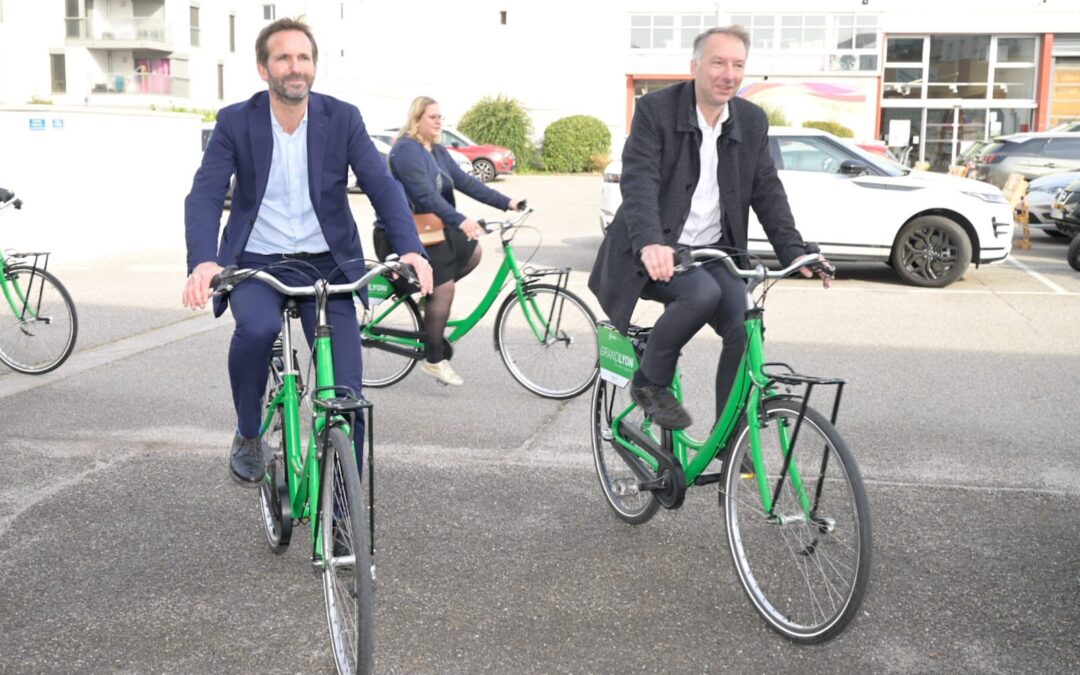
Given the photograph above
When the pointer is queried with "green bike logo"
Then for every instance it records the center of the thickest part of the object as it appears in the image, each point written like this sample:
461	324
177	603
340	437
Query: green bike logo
617	358
379	288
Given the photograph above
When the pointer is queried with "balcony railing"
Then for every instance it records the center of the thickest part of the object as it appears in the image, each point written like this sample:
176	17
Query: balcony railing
123	30
143	84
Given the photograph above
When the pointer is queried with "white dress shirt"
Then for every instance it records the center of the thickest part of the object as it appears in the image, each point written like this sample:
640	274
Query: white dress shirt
703	225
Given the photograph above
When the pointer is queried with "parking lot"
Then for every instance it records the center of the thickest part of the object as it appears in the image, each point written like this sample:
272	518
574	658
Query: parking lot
124	546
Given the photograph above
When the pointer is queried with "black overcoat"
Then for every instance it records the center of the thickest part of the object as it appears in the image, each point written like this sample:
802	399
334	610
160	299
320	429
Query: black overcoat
660	167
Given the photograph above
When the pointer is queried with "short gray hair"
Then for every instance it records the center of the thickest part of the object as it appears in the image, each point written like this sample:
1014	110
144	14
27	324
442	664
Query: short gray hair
736	31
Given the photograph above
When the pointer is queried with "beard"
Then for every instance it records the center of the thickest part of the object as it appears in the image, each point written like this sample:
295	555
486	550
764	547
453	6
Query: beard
291	95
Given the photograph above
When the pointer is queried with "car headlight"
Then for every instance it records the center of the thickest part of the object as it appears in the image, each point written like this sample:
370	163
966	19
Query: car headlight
989	197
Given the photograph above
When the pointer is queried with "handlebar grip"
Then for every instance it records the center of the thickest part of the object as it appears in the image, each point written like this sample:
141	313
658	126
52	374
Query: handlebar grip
222	278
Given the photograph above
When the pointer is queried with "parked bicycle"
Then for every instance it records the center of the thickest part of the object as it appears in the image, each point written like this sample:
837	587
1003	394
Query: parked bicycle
323	485
794	507
38	323
545	333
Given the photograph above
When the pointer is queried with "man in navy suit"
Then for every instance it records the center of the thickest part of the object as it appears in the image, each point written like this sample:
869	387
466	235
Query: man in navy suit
289	149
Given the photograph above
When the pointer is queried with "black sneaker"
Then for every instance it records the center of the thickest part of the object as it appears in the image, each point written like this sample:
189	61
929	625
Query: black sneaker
247	465
660	405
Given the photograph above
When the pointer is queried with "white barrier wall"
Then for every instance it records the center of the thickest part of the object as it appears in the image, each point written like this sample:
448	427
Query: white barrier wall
95	181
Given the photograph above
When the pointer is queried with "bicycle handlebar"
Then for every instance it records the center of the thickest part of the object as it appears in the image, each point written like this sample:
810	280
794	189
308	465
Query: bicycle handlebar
524	209
760	273
229	277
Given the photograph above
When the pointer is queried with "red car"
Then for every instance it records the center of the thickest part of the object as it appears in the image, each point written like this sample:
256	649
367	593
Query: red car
488	160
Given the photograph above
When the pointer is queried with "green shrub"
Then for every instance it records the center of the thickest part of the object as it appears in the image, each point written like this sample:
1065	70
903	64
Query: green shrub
500	121
834	128
575	143
775	115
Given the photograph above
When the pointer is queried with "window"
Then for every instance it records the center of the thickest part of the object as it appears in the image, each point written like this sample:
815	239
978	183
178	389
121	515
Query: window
1066	148
693	25
502	17
232	33
221	81
269	13
1014	68
904	50
838	41
652	32
959	66
59	73
194	20
810	154
855	43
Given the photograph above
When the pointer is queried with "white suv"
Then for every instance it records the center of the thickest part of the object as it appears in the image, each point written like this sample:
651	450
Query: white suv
859	206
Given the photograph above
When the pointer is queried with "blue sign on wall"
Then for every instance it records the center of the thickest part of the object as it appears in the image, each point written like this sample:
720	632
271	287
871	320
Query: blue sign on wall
37	124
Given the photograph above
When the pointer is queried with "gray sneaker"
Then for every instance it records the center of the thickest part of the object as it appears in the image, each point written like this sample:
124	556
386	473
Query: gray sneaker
247	465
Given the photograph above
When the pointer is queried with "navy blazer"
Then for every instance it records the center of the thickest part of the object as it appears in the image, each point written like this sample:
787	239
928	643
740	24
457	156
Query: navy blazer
242	144
430	179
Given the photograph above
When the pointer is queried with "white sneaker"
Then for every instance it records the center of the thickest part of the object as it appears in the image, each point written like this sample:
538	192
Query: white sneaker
443	372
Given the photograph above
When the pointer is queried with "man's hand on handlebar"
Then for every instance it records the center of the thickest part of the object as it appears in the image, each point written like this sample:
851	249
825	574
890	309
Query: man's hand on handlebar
659	261
197	288
422	268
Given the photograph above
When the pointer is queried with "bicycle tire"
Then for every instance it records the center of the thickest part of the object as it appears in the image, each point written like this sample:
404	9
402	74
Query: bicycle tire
275	507
618	480
383	368
347	576
565	364
43	343
807	578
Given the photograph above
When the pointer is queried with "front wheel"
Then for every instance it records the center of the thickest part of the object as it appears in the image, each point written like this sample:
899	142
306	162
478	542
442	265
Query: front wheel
1073	256
346	574
618	479
548	342
931	251
38	323
805	563
390	333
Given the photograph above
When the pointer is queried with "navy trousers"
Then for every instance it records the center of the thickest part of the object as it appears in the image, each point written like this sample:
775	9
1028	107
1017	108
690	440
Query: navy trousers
257	310
706	295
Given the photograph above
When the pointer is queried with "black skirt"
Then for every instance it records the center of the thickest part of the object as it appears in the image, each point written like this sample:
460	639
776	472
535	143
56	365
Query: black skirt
448	259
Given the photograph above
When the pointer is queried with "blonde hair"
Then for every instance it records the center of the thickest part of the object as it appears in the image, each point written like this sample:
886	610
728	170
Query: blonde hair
412	122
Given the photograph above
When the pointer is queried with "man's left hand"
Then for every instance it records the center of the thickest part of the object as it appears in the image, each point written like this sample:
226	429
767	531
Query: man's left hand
423	271
825	270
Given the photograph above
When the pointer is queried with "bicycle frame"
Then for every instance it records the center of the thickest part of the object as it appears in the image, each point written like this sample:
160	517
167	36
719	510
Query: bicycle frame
752	385
17	299
509	268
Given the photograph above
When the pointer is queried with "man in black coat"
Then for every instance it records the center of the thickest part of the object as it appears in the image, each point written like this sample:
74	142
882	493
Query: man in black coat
696	160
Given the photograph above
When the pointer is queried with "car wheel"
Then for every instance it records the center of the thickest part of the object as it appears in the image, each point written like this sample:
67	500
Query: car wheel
484	170
1074	253
931	251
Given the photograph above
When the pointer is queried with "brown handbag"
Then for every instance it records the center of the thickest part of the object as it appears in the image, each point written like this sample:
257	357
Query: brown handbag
430	228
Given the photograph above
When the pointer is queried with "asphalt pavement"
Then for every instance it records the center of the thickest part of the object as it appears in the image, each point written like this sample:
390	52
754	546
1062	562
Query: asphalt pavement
125	547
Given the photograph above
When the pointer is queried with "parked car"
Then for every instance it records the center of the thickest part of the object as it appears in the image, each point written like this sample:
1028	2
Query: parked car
1031	155
1040	195
967	158
1065	209
858	206
1068	127
488	161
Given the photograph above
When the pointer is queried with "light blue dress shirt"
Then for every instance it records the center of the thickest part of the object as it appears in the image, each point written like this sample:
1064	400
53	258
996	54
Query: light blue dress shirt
287	222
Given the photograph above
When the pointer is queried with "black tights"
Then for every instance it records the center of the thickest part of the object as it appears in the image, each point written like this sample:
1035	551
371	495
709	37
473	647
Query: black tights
437	312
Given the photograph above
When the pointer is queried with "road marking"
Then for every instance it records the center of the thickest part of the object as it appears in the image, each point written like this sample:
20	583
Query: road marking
82	361
1039	277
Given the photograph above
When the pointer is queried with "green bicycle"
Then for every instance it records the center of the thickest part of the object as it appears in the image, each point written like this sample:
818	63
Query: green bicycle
324	483
38	323
795	510
545	334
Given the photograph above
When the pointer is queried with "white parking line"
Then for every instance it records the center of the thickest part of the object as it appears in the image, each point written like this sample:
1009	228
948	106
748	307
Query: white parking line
1039	277
81	361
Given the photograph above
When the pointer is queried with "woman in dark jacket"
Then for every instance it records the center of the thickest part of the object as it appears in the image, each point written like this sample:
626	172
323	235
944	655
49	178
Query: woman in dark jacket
429	177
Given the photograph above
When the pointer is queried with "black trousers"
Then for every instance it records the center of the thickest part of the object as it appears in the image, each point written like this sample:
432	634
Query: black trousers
706	295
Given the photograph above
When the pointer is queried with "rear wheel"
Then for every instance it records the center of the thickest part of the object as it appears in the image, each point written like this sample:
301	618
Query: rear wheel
548	343
931	251
1073	255
805	566
484	170
347	586
39	326
617	479
391	340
